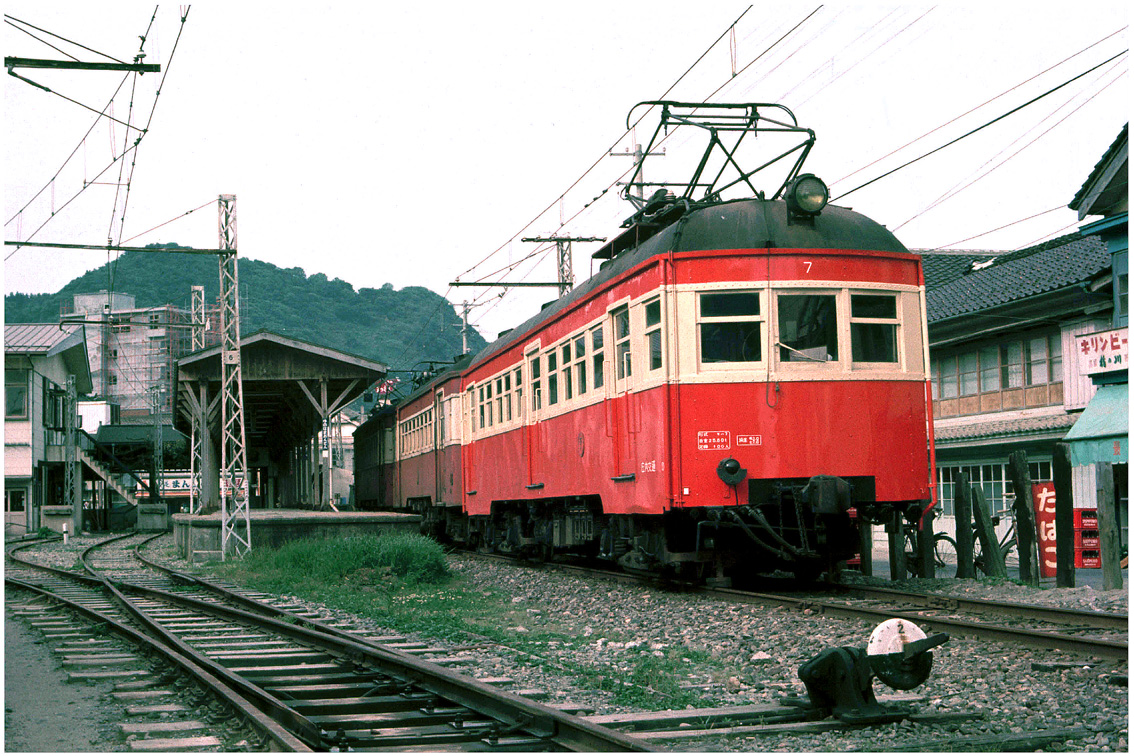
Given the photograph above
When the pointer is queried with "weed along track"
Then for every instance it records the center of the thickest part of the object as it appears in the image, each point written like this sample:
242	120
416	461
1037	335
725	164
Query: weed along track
304	683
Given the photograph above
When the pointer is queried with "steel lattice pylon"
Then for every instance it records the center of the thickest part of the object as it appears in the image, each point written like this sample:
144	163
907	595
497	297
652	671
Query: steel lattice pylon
197	431
72	475
236	534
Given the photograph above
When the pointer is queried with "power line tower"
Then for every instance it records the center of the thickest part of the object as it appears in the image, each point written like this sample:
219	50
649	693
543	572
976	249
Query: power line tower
236	534
563	248
197	432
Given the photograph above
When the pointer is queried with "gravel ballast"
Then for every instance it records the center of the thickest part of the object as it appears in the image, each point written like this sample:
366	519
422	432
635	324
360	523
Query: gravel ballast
745	654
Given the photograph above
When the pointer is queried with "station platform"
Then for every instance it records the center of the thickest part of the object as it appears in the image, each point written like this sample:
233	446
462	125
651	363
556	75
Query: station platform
197	537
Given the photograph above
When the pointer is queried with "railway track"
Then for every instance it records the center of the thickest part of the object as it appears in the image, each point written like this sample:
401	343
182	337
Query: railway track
1097	634
306	684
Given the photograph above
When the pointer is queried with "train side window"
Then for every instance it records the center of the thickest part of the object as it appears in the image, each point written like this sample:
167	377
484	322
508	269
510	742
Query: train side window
480	405
622	367
537	393
488	396
808	328
507	406
552	378
518	379
653	334
568	384
730	326
581	364
597	357
500	400
874	328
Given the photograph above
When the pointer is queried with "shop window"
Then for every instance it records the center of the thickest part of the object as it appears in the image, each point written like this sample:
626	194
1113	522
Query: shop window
808	328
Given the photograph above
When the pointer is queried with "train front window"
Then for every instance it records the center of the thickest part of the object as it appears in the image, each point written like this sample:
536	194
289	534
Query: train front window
874	328
730	327
808	328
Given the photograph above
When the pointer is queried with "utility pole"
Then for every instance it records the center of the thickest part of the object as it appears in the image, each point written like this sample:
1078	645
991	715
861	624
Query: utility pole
465	327
236	533
563	247
639	166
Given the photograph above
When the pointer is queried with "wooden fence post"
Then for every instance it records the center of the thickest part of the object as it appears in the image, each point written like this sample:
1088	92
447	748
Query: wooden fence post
963	510
1025	518
866	547
1064	517
1109	543
896	535
989	544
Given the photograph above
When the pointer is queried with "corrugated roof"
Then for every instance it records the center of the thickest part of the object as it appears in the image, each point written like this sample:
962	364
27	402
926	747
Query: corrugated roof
1004	428
35	338
1013	276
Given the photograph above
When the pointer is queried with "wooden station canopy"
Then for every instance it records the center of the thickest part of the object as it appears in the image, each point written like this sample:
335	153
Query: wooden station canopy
290	388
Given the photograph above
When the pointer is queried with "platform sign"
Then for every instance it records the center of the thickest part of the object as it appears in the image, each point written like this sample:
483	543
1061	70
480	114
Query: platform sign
1043	500
714	440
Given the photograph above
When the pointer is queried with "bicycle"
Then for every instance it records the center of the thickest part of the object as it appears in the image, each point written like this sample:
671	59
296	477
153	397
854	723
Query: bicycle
1006	543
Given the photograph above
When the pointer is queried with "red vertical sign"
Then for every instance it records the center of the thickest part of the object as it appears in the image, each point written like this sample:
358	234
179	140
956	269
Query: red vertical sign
1043	499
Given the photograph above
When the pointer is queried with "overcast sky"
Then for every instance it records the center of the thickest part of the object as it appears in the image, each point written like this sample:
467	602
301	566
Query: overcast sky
402	145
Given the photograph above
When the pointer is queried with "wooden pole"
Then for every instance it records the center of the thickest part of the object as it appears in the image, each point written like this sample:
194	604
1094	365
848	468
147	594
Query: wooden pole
1064	517
1025	518
866	547
895	535
1109	544
989	544
927	566
963	510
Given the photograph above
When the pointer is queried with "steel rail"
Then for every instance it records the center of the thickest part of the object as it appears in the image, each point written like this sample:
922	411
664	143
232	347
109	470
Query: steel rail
1107	649
263	705
1057	615
283	739
516	712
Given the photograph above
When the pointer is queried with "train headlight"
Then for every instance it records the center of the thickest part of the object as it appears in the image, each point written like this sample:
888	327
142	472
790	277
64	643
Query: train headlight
807	195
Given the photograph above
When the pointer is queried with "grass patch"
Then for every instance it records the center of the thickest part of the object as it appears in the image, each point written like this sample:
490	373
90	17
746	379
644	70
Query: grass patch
403	583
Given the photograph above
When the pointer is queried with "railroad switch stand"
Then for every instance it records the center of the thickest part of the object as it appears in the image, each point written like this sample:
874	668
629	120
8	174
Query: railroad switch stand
840	681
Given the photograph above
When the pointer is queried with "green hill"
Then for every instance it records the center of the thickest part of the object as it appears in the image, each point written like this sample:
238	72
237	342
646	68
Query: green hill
397	327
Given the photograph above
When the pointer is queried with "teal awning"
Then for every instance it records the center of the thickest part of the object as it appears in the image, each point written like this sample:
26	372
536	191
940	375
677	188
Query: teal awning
1102	432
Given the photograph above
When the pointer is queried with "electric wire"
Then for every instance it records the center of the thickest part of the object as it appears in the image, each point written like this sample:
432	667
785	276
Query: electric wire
607	151
166	223
981	127
37	39
958	188
68	41
640	119
978	107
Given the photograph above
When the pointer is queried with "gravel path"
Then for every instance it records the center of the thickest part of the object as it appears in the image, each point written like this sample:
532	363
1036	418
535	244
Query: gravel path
750	655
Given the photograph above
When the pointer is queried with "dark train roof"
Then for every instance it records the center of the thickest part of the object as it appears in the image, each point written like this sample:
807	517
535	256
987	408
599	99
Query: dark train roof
740	224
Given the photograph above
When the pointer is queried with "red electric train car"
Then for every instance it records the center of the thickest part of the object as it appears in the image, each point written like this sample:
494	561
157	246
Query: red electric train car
737	376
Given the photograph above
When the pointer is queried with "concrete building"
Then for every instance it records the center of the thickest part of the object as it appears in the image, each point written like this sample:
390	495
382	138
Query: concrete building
38	359
134	350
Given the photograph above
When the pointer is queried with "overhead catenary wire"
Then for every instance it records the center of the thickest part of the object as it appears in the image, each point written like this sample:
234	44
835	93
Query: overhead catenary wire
68	41
981	127
977	107
965	184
